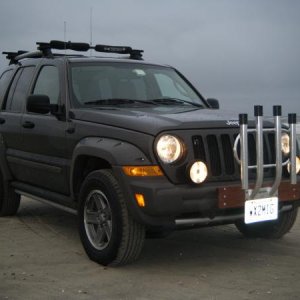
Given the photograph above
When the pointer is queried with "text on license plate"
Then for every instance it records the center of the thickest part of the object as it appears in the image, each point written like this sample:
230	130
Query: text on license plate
259	210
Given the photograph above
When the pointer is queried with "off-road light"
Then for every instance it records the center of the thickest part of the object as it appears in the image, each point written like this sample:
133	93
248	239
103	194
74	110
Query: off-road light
169	148
285	144
198	172
297	165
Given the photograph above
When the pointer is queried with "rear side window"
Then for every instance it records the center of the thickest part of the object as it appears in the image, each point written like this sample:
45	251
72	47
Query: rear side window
48	84
19	89
5	80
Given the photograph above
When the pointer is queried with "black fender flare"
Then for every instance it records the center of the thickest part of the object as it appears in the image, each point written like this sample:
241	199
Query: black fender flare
115	152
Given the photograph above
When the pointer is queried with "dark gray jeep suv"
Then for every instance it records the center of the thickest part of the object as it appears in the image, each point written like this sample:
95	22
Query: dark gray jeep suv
135	150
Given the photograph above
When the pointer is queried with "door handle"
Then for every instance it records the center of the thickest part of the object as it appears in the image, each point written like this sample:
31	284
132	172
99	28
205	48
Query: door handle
2	121
28	124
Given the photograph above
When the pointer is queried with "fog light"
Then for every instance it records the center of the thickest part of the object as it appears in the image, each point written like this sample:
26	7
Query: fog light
198	172
297	165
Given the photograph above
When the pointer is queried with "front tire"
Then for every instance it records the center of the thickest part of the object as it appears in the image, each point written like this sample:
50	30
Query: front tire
110	236
271	229
157	233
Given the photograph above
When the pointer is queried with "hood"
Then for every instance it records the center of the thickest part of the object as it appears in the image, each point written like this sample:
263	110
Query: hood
157	119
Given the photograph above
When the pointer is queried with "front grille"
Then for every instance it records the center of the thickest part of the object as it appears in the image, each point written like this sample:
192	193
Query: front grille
216	150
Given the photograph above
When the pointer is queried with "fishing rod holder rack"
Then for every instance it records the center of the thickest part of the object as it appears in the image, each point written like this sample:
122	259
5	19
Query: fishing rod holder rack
280	161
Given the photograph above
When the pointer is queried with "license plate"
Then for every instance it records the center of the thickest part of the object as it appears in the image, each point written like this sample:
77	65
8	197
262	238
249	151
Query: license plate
260	210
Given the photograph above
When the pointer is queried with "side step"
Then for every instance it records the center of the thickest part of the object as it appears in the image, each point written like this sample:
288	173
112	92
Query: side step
51	198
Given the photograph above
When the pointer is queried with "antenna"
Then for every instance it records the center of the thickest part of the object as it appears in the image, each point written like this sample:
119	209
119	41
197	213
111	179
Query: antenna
91	29
65	35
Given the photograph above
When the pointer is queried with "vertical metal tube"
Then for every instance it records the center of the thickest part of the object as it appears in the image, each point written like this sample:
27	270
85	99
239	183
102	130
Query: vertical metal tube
258	113
243	118
292	123
277	117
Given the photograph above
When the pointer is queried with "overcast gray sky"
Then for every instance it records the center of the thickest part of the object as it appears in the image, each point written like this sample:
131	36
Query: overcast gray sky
242	52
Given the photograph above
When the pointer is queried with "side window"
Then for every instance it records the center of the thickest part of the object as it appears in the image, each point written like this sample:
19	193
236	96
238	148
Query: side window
48	83
5	80
19	89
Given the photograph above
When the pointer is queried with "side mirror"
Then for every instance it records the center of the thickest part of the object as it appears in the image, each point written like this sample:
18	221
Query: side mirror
40	104
213	103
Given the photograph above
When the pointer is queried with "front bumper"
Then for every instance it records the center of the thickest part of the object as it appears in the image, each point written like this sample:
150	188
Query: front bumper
166	204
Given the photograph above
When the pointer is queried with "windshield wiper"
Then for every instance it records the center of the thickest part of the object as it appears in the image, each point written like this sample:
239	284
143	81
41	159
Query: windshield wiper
158	101
174	101
117	101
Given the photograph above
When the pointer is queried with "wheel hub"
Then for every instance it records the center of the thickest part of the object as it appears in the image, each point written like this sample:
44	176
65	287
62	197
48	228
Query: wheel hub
98	219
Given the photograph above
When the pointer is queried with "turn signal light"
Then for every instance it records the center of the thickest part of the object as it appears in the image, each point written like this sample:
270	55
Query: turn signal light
142	171
140	200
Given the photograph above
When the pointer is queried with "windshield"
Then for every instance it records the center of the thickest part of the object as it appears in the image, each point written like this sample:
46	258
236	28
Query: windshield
117	83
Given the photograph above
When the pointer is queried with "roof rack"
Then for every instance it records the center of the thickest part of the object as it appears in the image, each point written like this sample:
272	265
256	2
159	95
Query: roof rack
12	56
45	50
59	45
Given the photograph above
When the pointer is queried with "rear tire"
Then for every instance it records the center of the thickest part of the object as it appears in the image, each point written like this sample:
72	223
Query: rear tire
9	199
110	236
271	229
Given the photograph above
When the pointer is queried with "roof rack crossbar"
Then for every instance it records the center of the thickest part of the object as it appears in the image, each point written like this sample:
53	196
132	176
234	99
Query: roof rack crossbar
34	54
12	56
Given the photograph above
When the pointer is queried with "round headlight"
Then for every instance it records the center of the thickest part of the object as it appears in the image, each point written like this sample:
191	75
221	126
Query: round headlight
198	172
285	144
169	148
